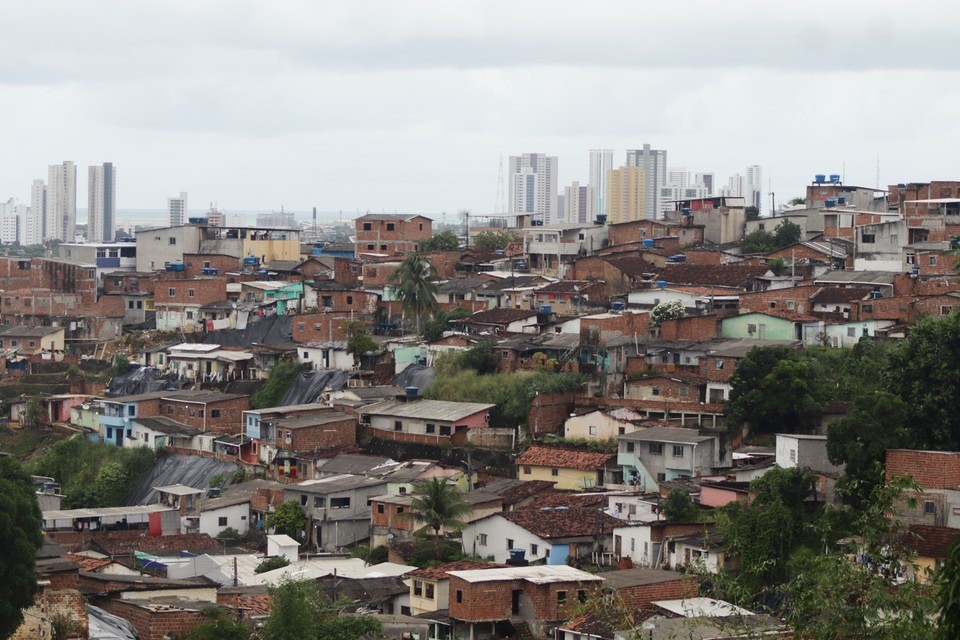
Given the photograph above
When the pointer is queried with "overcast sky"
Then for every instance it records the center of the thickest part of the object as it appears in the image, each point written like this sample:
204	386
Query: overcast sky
409	106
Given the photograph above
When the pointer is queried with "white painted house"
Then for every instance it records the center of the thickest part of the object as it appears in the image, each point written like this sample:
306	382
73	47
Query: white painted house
601	425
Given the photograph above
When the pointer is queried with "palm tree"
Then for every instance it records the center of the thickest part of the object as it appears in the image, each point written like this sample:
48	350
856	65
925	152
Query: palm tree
438	505
416	280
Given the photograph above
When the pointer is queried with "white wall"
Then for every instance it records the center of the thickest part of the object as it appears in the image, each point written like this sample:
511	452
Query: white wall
498	530
595	425
238	517
636	543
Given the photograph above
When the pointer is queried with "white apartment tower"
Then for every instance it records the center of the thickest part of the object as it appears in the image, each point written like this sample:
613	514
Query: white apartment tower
601	163
753	187
32	230
61	213
533	186
579	203
653	162
102	203
705	180
9	222
177	210
678	177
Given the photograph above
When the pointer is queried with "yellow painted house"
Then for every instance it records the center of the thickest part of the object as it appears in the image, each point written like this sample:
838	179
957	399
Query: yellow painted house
570	469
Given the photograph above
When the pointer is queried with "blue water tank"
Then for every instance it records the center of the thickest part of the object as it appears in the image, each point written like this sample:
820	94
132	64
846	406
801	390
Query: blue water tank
686	211
820	177
178	266
546	309
250	260
648	242
601	218
617	305
842	201
411	391
520	265
661	284
518	554
262	272
916	269
834	177
677	258
169	266
876	295
830	203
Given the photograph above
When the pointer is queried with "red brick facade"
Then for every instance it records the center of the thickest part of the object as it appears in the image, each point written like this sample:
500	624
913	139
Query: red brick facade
322	436
691	328
640	596
191	291
195	263
219	416
931	469
356	301
492	601
392	235
155	623
627	232
320	327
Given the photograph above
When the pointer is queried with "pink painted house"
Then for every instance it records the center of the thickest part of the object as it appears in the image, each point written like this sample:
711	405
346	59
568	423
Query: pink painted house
721	493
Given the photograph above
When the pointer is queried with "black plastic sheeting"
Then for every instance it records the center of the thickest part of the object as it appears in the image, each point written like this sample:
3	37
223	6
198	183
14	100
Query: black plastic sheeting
416	375
269	330
309	385
192	471
142	380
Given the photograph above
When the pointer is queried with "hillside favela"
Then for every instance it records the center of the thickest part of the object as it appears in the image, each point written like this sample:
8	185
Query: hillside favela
342	327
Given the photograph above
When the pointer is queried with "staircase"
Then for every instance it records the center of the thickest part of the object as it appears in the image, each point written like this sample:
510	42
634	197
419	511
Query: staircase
522	632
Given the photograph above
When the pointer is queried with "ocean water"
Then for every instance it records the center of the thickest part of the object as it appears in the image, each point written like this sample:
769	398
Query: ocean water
147	217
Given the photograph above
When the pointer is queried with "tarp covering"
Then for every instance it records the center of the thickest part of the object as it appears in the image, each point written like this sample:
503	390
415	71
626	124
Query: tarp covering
416	375
308	386
270	330
106	626
191	471
142	380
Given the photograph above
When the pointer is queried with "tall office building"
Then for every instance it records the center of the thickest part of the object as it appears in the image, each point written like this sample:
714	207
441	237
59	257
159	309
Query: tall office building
177	210
533	186
579	203
102	203
705	180
9	222
627	195
61	212
678	177
33	229
601	163
753	187
653	162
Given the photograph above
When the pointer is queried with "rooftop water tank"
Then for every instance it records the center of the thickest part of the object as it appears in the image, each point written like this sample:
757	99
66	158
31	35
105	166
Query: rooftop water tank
518	554
842	201
411	391
820	177
677	258
830	203
601	218
178	266
834	177
648	242
686	211
617	305
546	309
262	272
876	295
661	284
521	265
168	266
250	260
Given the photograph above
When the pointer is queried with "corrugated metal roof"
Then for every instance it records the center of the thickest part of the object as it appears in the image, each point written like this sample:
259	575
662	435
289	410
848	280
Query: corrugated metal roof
427	409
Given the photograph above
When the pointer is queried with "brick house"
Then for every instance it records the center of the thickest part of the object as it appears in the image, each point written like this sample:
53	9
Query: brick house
667	387
178	302
502	320
570	469
392	234
537	597
311	432
430	587
938	474
421	420
337	508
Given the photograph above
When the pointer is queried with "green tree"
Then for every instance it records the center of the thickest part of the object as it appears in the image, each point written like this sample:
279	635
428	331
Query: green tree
442	321
112	482
758	241
480	358
678	507
669	310
298	611
753	213
282	375
777	265
774	391
494	240
229	535
287	520
33	416
443	241
21	536
276	562
416	285
437	505
797	201
948	580
787	233
359	341
218	625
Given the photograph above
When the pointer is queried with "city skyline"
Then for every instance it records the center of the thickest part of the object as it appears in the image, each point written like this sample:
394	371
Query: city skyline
235	108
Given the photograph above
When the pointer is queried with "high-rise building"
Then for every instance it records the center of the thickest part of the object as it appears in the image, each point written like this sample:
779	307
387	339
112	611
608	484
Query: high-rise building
601	163
753	187
9	222
678	177
177	210
579	203
533	186
705	180
34	229
61	212
626	195
102	203
653	162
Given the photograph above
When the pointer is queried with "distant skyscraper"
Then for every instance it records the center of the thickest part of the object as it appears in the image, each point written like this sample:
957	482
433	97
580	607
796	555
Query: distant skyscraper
627	195
533	186
579	202
9	222
61	213
678	177
177	210
601	163
705	180
654	165
33	231
736	186
102	203
753	187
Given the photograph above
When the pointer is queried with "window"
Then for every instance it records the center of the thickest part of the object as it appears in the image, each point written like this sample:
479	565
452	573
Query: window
661	477
504	354
399	509
621	430
655	391
944	311
656	448
911	258
222	521
933	261
390	226
509	544
303	499
868	238
791	305
417	588
139	304
319	502
379	508
367	226
171	292
32	343
130	304
191	293
483	539
349	299
678	451
173	241
383	247
445	430
371	247
398	425
428	590
189	315
684	392
534	549
929	507
751	328
561	597
592	430
431	428
851	332
581	595
773	305
339	503
793	455
459	595
629	447
867	308
719	365
527	471
554	472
